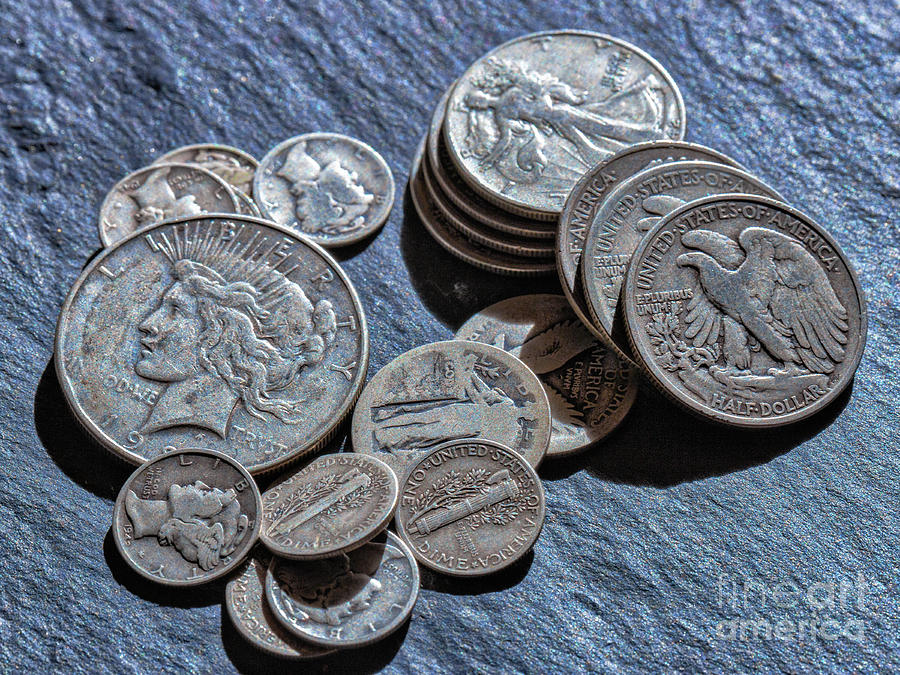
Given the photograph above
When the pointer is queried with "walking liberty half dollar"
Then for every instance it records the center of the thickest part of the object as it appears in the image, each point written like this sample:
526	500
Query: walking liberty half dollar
527	120
187	517
349	600
336	503
745	311
449	390
470	507
227	332
332	188
234	166
589	388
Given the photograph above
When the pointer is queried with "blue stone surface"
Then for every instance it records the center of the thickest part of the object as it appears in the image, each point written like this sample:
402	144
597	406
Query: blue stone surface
659	543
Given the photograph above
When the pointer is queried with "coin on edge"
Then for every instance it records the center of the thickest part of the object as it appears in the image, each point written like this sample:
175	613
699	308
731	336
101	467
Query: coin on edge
234	166
470	508
528	119
187	517
745	311
333	505
349	600
332	188
589	388
228	332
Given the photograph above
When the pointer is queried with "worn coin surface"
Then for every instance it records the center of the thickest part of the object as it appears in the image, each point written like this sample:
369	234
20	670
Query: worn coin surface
349	600
246	205
162	192
187	517
448	390
334	504
589	388
589	194
332	188
470	507
253	618
528	119
630	211
228	332
232	165
745	311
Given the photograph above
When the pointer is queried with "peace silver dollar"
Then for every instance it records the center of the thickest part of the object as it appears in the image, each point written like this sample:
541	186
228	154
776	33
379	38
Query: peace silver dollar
234	166
228	332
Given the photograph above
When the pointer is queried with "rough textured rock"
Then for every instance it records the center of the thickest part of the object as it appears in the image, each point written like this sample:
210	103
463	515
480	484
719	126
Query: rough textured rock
647	537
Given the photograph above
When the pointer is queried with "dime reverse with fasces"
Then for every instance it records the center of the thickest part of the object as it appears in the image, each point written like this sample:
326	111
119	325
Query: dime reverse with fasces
589	388
162	192
745	311
234	166
349	600
334	504
589	194
449	390
229	332
528	119
187	517
332	188
470	508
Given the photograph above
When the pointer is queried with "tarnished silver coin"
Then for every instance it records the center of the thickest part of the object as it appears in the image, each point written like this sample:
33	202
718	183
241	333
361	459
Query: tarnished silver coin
349	600
528	119
162	192
630	211
336	503
589	388
246	205
449	390
589	194
745	311
228	332
234	166
187	517
470	508
332	188
253	618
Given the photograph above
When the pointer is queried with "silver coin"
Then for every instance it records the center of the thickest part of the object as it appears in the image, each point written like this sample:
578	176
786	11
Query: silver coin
349	600
630	211
470	508
228	332
464	197
745	311
162	192
336	503
252	617
332	188
246	205
234	166
528	119
449	390
187	517
589	388
454	242
590	192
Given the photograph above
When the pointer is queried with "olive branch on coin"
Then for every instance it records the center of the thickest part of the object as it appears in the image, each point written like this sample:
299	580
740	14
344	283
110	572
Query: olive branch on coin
454	487
672	352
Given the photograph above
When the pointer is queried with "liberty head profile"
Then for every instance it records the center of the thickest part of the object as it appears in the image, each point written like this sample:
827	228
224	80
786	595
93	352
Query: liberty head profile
229	329
329	199
157	202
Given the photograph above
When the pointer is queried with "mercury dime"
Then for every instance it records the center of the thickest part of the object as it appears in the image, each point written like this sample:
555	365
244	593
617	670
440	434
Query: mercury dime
332	188
526	120
589	388
187	517
745	311
234	166
470	507
228	332
448	390
590	193
335	504
253	618
349	600
630	211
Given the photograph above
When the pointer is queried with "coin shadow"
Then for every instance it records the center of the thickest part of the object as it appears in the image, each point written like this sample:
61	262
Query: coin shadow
69	445
498	581
451	289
